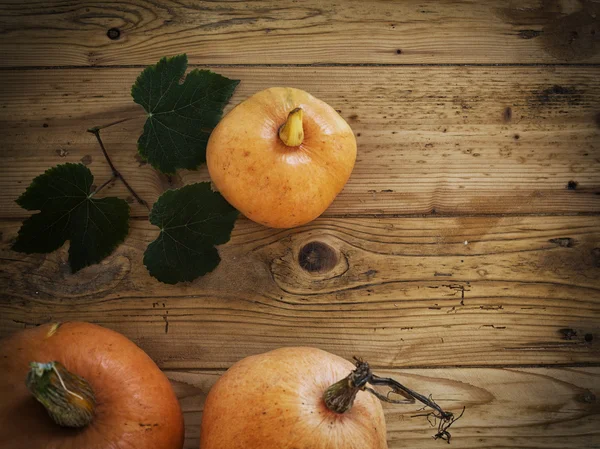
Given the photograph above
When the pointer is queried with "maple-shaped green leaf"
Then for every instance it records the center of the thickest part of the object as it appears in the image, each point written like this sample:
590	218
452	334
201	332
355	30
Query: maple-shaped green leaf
181	116
192	220
68	211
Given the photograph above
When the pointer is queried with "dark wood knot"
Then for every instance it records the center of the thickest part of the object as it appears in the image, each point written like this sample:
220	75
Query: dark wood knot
596	257
113	34
317	257
565	242
587	397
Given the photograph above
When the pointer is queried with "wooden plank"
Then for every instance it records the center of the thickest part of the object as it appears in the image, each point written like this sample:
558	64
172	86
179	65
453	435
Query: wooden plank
57	33
404	292
446	140
512	408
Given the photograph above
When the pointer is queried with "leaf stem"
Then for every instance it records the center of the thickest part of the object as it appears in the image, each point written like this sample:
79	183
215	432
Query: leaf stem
111	179
98	128
116	174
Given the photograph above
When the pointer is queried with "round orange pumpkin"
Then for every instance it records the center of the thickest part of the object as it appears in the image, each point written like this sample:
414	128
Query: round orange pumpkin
277	400
105	392
281	157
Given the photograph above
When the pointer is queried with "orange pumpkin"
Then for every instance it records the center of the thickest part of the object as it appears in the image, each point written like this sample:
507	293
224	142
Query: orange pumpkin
99	388
286	399
281	157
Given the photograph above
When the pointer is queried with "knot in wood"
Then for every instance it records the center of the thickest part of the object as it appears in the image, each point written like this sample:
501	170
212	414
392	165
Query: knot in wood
113	34
317	257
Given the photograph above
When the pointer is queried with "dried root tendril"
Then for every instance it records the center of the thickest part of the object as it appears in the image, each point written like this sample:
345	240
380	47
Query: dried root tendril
443	423
437	417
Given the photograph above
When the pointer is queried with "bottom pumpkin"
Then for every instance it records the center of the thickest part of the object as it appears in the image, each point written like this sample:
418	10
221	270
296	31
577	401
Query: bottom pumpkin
285	399
99	391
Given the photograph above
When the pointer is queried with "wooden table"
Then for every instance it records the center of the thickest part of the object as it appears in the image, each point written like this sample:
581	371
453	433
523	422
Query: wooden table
463	256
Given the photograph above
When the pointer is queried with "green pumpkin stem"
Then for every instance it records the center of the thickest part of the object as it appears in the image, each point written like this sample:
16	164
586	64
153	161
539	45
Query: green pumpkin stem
291	132
67	397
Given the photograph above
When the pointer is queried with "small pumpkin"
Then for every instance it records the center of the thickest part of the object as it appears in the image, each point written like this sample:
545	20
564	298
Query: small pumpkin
304	398
281	156
99	389
275	400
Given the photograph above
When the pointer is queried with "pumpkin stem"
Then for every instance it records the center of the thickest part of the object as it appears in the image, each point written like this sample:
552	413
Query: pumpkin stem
340	396
291	132
67	397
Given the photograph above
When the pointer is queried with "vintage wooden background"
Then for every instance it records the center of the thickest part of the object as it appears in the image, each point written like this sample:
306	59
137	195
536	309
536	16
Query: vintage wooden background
463	257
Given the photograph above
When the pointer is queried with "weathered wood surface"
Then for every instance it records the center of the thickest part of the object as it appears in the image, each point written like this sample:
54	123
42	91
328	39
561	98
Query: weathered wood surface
58	33
399	292
505	408
446	140
480	118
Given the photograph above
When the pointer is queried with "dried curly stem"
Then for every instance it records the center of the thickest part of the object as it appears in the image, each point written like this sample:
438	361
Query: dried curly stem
340	396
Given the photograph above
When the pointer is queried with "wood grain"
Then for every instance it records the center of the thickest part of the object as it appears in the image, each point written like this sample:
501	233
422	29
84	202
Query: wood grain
505	408
405	292
58	33
443	140
463	257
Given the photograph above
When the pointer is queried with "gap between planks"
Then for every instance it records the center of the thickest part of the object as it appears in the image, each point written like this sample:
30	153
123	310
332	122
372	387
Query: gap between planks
389	216
431	367
319	65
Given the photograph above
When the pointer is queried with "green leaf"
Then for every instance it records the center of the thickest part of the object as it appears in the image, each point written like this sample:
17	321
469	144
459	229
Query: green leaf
68	212
192	220
180	116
